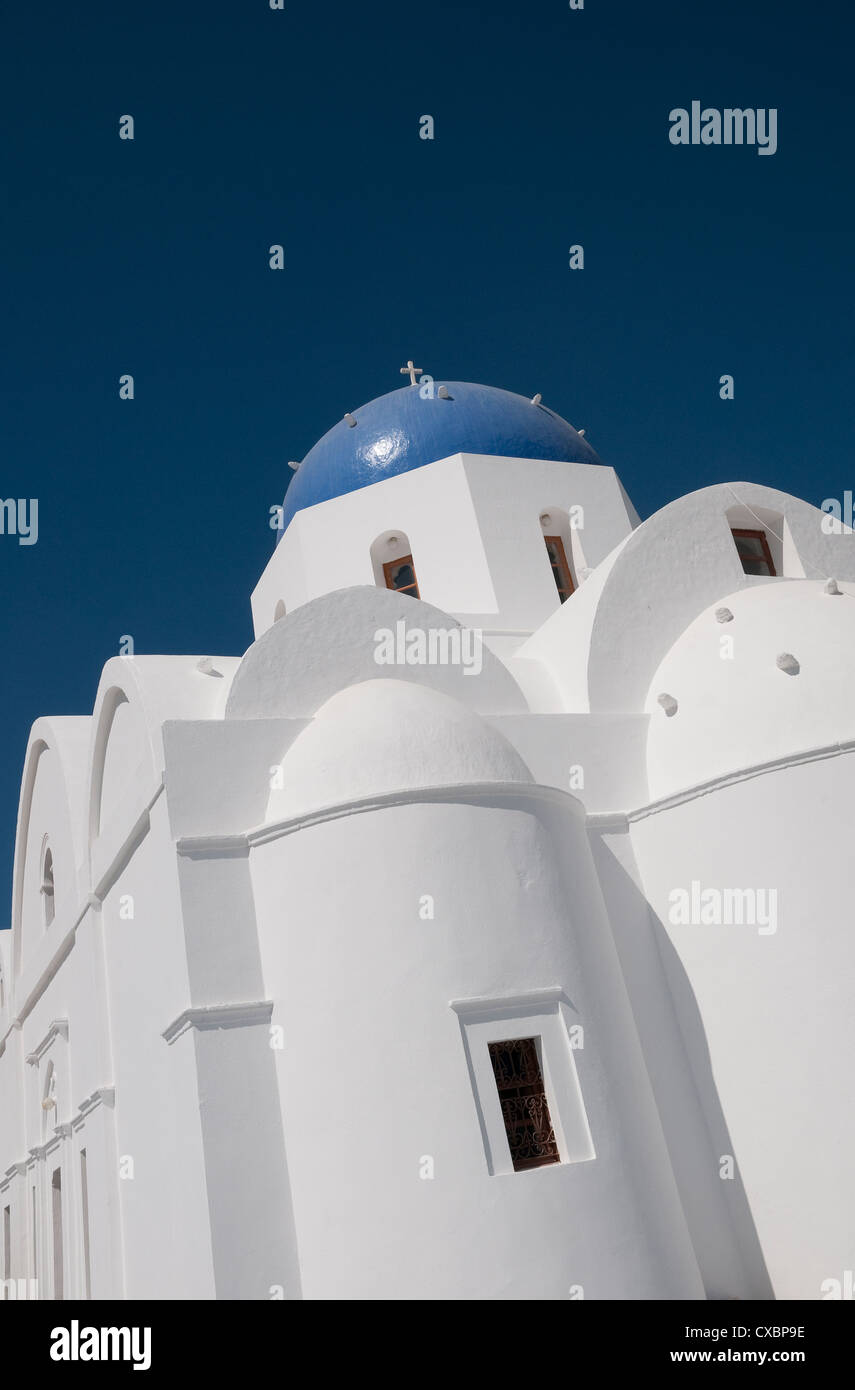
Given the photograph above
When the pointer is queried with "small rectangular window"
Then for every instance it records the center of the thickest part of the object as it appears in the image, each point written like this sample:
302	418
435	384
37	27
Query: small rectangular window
754	552
401	575
525	1110
522	1068
56	1204
560	568
7	1244
84	1197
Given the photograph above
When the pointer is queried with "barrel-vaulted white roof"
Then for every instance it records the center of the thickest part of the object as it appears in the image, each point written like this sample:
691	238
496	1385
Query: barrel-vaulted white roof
386	736
737	707
333	642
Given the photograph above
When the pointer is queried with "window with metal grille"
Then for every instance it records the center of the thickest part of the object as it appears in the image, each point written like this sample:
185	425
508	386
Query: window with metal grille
753	550
401	575
524	1106
560	568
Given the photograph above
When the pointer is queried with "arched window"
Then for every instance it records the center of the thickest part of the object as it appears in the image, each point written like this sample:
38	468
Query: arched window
558	539
46	890
49	1115
392	560
279	611
560	568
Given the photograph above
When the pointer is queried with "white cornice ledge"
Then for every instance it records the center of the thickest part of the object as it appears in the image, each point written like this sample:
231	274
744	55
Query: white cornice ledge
621	820
204	846
210	1016
105	1095
57	1029
532	1001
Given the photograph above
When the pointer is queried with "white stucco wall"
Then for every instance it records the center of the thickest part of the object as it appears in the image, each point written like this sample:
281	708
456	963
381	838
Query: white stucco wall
373	1074
767	1016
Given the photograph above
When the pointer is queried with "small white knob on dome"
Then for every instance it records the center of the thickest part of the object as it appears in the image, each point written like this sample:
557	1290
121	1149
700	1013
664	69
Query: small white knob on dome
442	392
668	703
292	463
350	420
832	587
723	615
206	665
535	400
581	433
787	662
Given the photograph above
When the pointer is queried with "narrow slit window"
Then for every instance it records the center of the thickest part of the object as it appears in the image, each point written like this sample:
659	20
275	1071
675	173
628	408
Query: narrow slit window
401	575
525	1110
56	1194
84	1197
753	550
48	888
7	1246
560	568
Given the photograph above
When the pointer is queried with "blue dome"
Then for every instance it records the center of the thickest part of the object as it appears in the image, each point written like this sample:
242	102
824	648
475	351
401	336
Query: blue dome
401	431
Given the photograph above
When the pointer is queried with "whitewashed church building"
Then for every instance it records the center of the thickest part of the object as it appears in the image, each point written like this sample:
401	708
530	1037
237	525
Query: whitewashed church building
484	932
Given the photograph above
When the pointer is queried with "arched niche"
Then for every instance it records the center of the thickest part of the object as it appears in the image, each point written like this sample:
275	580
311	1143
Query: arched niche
121	753
44	842
47	887
393	563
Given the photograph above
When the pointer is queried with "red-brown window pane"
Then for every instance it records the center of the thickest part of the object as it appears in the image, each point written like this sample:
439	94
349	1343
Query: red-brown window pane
754	552
401	575
560	568
523	1100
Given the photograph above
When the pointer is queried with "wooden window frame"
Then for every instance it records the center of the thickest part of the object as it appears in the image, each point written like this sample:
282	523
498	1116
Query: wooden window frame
411	589
767	554
563	562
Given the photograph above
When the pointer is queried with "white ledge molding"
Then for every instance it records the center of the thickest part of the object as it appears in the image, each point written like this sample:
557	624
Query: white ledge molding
105	1095
533	1001
57	1029
621	820
200	846
210	1016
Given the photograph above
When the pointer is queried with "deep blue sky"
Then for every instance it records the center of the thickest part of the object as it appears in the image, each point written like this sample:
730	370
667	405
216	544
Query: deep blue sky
301	127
